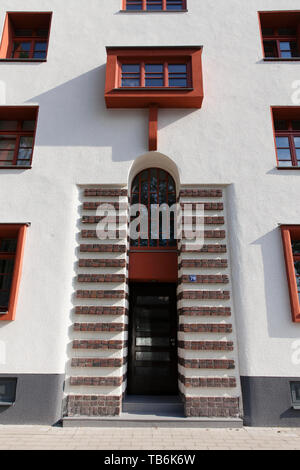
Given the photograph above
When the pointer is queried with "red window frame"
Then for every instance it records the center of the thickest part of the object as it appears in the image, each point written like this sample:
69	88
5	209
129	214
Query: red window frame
289	234
140	246
165	75
277	20
289	114
33	40
17	232
19	114
142	5
162	97
33	21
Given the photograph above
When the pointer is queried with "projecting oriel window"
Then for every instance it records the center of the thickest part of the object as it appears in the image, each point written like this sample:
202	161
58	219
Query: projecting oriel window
158	75
16	143
154	5
291	247
295	392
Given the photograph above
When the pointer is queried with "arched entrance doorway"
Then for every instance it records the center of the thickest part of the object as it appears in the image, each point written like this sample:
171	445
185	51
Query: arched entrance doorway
153	275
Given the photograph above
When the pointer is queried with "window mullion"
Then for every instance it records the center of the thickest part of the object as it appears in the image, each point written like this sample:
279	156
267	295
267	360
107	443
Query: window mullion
166	74
16	149
293	150
144	5
164	4
142	79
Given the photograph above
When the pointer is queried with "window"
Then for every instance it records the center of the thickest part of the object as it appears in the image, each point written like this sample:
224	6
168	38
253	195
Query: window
25	36
154	5
295	393
8	388
287	136
154	75
167	77
280	34
153	187
291	246
12	241
17	133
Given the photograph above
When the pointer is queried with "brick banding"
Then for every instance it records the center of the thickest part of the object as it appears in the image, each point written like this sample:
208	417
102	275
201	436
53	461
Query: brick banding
91	206
112	234
94	405
201	193
98	362
101	278
218	407
208	234
109	248
105	192
206	328
204	263
208	206
110	327
117	311
209	382
205	279
97	381
204	295
99	344
206	363
204	249
206	345
205	311
94	219
101	294
102	263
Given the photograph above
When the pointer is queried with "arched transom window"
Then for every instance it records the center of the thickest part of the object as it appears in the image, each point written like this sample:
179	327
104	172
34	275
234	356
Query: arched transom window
155	190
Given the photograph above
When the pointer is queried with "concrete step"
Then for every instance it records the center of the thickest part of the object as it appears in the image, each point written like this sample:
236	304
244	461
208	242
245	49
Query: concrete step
148	421
170	406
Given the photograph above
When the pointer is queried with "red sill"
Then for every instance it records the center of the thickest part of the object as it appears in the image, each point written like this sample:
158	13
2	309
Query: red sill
281	59
15	167
288	168
23	60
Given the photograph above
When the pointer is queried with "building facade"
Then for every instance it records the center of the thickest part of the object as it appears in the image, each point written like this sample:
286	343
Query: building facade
187	103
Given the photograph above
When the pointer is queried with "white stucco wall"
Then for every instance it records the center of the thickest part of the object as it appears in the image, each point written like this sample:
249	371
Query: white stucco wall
229	141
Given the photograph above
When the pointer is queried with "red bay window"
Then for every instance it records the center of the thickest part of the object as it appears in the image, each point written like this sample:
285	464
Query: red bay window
280	31
154	5
291	247
12	243
286	122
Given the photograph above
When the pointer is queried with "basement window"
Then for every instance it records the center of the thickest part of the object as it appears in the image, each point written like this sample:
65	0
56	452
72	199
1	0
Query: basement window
295	392
25	36
154	5
8	387
12	242
280	32
17	135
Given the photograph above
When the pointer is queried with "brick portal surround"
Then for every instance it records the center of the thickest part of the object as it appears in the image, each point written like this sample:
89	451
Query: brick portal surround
208	371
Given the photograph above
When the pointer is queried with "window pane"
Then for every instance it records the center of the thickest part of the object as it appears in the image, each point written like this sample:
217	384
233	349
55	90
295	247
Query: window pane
284	154
24	154
7	142
26	142
282	142
297	141
296	125
158	82
130	82
134	5
154	68
178	82
43	33
285	45
177	68
131	68
267	31
39	55
285	163
6	157
270	49
23	32
7	245
296	247
287	32
28	125
8	125
154	4
40	46
281	125
174	5
21	50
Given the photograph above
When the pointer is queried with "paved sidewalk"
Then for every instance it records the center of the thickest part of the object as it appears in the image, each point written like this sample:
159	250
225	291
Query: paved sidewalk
44	437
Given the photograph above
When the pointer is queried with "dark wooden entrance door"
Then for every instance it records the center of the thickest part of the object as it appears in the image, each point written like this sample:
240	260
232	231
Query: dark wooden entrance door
153	340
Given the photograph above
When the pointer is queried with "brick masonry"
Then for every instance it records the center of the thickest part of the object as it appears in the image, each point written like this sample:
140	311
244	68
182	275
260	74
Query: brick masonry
207	349
98	343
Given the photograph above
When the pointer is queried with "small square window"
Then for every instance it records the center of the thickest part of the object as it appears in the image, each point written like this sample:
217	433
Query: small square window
280	35
25	36
295	392
8	389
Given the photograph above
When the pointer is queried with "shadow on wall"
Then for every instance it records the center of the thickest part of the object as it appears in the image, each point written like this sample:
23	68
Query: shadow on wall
278	307
74	114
